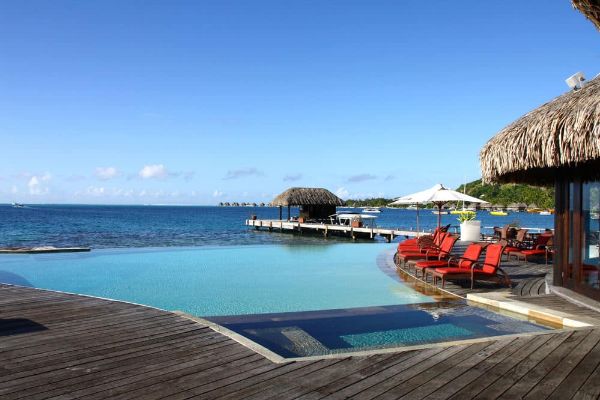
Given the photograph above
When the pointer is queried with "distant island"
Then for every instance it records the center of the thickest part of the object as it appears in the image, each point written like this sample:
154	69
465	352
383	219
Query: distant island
497	195
503	195
236	204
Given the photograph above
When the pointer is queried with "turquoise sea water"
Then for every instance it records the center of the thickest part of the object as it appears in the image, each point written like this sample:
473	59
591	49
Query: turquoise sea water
209	281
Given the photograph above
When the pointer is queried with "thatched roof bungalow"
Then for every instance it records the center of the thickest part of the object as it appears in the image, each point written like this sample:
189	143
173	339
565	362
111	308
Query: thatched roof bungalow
314	203
560	137
559	143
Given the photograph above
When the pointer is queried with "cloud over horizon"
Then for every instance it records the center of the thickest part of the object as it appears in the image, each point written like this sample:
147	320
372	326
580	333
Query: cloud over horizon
361	178
243	173
292	177
106	173
154	171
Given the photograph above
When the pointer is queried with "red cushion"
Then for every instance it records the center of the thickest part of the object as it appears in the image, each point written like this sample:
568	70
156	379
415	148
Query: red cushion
452	270
431	264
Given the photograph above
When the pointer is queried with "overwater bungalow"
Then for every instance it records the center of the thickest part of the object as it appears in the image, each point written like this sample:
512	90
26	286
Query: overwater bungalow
314	203
516	207
559	143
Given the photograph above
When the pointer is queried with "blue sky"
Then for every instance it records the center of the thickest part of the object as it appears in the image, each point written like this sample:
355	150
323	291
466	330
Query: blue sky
196	102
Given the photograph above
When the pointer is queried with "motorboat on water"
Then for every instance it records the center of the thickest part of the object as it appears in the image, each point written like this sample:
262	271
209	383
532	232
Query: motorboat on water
18	205
356	220
461	212
498	213
438	212
545	212
372	210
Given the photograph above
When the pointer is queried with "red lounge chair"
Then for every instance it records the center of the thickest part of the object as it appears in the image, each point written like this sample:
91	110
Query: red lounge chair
517	244
440	254
424	245
542	246
469	257
435	238
487	271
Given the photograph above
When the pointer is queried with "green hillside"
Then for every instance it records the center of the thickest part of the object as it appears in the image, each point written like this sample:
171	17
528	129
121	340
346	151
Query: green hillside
511	193
504	194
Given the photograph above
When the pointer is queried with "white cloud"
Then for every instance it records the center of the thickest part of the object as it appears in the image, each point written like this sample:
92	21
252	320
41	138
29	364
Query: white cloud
218	193
95	191
157	171
342	192
106	173
35	185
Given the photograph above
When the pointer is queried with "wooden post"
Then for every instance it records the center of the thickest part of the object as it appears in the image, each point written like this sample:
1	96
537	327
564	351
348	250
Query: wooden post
289	215
325	232
280	213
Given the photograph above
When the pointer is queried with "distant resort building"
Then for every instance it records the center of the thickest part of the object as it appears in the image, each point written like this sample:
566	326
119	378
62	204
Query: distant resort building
559	143
314	203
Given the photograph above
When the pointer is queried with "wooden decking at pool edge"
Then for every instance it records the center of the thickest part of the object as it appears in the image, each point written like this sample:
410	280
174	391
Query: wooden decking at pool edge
63	346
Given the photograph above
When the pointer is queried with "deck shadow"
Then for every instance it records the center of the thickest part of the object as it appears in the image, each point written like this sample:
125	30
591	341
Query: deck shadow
17	326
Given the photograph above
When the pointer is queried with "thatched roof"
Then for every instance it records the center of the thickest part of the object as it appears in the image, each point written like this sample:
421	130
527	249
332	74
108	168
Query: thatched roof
589	8
307	196
561	135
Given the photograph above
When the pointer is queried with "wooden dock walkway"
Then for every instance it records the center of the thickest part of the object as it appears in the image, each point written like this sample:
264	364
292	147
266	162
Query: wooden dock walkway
329	229
63	346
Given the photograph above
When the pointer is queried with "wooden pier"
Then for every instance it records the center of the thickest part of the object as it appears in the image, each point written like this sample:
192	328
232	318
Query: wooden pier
329	229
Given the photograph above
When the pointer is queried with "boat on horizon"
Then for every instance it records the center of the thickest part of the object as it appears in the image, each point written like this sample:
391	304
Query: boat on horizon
442	212
498	213
372	210
464	211
18	205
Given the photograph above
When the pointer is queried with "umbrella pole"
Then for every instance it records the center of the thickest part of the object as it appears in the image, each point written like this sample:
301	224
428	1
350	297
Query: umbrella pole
417	219
439	214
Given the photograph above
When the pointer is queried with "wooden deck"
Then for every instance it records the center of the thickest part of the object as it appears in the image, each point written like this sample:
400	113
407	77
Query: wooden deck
62	346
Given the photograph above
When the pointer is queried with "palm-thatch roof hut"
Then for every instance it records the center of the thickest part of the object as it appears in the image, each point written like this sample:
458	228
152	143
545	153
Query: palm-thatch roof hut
559	143
314	203
562	136
589	8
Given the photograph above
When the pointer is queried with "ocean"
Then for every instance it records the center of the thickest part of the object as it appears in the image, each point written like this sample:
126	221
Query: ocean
100	226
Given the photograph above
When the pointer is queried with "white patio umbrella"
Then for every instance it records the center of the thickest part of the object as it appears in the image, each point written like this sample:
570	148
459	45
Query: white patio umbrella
437	195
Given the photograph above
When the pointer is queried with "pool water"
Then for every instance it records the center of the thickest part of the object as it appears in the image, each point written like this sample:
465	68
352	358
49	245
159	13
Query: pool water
216	281
296	300
341	331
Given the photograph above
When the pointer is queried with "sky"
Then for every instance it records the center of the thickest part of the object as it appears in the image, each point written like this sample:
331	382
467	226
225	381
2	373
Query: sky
201	102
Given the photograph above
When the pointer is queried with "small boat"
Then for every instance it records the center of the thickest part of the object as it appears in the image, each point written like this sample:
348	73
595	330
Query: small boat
372	210
436	212
18	205
460	212
545	212
356	220
499	213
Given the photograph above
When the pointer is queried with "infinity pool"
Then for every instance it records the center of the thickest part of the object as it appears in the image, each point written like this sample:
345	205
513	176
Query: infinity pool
217	281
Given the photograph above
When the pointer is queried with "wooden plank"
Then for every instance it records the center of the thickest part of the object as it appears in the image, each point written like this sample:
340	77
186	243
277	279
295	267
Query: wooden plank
448	385
571	384
357	376
403	372
356	388
547	385
481	383
511	377
424	377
